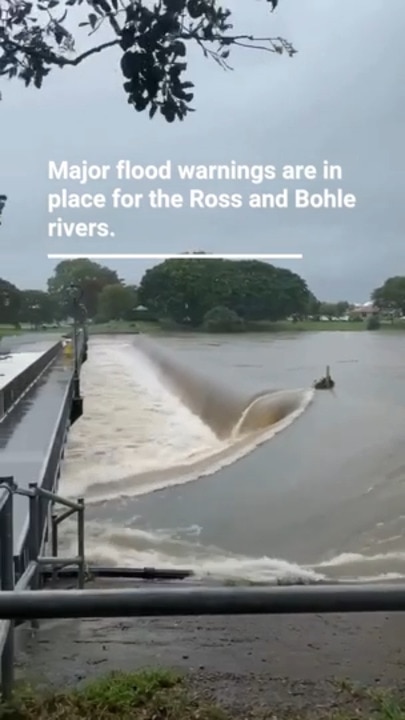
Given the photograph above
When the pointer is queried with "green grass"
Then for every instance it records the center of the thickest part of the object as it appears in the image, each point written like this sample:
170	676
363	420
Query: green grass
8	330
264	326
121	327
151	328
147	695
164	695
307	326
322	326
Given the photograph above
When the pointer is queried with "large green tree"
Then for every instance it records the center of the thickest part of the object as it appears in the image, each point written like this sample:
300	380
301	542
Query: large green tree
185	290
89	276
117	302
391	295
38	307
334	310
10	303
153	38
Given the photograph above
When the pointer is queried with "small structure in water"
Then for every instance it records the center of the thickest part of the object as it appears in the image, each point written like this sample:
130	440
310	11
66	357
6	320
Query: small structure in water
325	383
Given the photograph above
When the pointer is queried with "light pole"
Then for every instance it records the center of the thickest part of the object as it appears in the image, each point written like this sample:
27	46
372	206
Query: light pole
75	293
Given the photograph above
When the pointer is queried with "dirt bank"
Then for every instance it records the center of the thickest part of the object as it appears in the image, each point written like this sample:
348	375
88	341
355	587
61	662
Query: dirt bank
238	661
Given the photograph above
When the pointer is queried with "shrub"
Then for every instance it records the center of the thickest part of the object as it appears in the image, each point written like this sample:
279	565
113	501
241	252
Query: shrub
222	320
373	322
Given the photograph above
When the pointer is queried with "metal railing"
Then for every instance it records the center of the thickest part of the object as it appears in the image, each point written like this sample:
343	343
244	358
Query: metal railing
39	501
153	602
22	566
199	601
50	472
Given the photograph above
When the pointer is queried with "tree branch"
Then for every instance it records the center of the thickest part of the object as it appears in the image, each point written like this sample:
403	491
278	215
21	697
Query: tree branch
153	44
277	45
52	58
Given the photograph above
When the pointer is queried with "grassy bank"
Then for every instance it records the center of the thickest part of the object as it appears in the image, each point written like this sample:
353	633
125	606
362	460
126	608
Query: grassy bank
120	327
8	330
163	695
321	326
151	328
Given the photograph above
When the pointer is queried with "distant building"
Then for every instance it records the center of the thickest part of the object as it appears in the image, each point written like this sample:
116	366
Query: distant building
364	310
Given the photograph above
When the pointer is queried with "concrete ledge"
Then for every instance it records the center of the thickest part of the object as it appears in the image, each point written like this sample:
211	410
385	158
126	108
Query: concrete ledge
19	372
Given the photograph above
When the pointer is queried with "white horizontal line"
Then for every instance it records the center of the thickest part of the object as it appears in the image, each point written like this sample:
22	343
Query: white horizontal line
175	256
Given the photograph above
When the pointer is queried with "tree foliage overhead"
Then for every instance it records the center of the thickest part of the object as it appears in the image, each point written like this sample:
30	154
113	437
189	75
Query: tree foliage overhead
185	290
153	38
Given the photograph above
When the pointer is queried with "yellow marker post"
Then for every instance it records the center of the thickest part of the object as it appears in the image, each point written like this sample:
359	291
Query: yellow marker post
68	349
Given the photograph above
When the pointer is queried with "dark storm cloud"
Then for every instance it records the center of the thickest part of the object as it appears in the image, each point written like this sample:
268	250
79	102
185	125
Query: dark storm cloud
339	99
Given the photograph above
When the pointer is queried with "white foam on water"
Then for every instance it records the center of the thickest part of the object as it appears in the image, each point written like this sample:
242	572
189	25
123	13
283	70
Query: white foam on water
358	558
136	436
132	424
128	547
138	548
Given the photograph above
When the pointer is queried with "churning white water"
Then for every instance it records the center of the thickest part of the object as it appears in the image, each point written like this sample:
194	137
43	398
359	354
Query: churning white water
131	425
137	436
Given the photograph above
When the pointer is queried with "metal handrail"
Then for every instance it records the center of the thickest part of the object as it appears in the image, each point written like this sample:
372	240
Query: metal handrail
36	371
196	601
30	576
25	562
50	468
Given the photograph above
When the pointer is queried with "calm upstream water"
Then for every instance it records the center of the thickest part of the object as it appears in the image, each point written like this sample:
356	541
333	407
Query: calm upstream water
213	453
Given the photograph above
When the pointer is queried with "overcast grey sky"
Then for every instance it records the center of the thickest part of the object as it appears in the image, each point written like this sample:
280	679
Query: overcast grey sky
340	98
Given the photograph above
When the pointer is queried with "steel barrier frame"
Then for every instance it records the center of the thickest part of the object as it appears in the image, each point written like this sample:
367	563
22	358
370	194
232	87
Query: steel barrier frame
50	471
20	567
199	601
31	577
182	602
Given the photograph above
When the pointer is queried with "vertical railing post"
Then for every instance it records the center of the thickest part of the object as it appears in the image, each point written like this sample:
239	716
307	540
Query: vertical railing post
33	539
80	542
54	534
54	542
7	583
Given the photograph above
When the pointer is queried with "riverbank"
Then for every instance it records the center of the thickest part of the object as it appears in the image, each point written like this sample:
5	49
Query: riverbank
118	327
166	695
282	665
286	326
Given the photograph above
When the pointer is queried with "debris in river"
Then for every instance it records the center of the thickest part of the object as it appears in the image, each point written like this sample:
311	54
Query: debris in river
325	383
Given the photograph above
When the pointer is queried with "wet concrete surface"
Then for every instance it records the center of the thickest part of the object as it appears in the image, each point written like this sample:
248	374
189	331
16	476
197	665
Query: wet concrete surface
238	661
26	435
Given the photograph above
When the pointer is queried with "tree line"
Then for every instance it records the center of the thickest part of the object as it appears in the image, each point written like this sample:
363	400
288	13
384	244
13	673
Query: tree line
220	294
